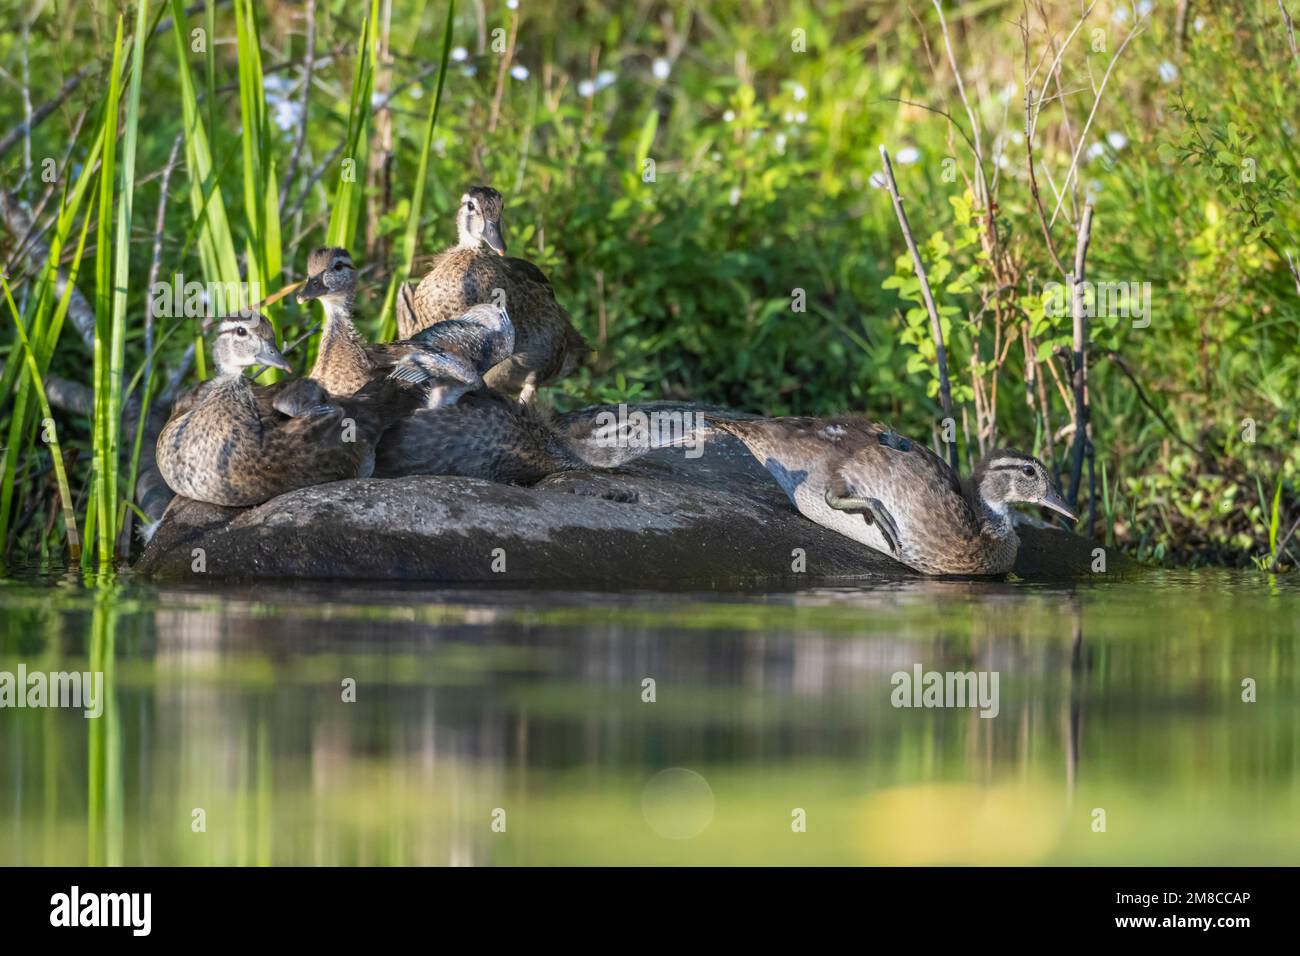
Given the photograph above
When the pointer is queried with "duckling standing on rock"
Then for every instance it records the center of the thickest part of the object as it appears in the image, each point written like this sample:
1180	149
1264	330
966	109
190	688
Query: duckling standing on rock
895	495
230	442
478	338
547	346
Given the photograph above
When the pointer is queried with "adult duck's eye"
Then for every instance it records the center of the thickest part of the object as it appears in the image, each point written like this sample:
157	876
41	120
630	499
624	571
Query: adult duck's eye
1027	471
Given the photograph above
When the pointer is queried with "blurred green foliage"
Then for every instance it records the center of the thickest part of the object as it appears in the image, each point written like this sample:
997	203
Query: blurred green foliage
698	184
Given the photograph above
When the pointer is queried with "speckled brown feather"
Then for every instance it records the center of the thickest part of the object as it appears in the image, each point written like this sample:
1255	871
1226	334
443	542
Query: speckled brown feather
481	436
940	530
487	436
546	343
226	444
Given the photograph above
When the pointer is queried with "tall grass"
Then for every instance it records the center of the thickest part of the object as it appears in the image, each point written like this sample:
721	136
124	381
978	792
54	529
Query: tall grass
216	243
261	185
412	231
47	423
346	207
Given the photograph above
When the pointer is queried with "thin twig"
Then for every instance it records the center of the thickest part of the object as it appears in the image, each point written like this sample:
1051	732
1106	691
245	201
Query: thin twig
309	61
44	110
936	329
1290	35
1080	370
1083	136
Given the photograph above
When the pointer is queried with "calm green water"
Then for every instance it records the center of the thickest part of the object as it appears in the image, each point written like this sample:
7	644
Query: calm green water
526	708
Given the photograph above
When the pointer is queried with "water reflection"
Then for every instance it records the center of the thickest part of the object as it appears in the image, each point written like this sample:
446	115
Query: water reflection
340	725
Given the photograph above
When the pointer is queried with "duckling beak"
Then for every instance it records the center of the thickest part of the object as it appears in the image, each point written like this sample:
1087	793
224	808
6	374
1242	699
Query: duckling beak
314	289
492	236
1057	503
268	354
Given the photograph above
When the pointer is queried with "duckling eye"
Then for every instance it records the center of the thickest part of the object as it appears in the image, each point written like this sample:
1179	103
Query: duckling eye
241	331
1027	471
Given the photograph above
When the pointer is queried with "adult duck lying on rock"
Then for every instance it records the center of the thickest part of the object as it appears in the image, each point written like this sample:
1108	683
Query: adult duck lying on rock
477	270
895	495
230	442
469	344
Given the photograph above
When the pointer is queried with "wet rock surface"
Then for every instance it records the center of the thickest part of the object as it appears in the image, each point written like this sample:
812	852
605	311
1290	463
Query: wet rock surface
665	520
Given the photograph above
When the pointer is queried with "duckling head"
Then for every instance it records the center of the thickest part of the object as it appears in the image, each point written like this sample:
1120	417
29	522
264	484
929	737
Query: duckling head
244	341
331	276
1007	476
478	220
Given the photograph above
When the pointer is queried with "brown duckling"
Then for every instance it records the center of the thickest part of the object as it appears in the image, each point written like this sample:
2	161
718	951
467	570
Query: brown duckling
895	495
482	434
480	337
476	270
229	442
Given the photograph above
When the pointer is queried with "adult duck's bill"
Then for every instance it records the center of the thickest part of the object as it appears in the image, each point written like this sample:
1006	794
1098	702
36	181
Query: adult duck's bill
1057	503
492	236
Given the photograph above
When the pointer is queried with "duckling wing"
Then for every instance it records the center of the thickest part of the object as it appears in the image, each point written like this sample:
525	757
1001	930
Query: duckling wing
482	346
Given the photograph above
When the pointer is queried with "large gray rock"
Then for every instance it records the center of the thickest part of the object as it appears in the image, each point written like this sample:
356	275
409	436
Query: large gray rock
665	520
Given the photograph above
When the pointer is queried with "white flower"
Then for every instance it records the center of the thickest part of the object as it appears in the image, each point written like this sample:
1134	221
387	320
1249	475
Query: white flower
519	71
469	69
586	88
286	114
1198	24
605	78
1120	15
1117	140
512	4
377	99
800	94
908	155
661	69
1093	190
780	142
788	116
715	156
801	117
460	54
1096	150
1168	72
728	116
878	180
1144	7
734	198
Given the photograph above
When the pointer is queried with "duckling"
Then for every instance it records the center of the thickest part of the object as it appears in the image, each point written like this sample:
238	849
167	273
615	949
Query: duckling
482	434
547	346
231	443
480	337
895	495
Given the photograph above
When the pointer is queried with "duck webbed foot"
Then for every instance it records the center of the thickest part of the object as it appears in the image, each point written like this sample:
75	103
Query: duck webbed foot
594	486
871	509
